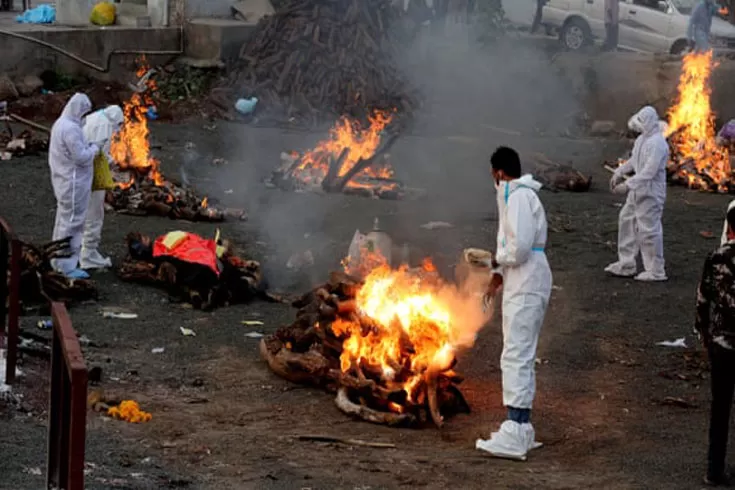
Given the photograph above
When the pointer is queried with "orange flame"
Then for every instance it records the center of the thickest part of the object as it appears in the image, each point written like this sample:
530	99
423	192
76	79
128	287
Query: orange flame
130	147
692	128
204	203
360	142
417	324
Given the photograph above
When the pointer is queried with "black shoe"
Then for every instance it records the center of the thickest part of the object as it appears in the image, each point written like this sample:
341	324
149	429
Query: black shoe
723	480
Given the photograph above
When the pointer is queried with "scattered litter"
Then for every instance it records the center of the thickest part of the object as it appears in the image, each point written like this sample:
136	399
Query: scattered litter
32	471
84	340
16	144
119	315
254	335
681	342
246	106
6	155
229	191
187	332
137	475
252	323
557	288
45	324
219	161
436	225
43	14
129	411
158	350
706	234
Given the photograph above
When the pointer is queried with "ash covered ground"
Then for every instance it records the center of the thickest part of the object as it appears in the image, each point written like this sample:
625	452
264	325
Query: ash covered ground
222	420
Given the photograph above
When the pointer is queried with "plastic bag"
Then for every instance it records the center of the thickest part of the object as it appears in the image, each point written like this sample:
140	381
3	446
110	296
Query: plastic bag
102	177
103	14
43	14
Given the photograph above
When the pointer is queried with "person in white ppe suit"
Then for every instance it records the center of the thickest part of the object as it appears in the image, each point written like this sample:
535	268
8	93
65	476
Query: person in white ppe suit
724	239
639	224
99	128
520	266
70	162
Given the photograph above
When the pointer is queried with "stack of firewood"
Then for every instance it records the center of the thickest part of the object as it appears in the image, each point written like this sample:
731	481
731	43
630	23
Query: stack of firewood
308	351
40	284
314	60
20	145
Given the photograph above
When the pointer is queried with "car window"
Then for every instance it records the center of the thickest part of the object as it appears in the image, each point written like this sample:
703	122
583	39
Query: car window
650	4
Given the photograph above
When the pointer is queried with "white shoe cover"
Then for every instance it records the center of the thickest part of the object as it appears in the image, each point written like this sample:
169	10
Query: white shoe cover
92	259
512	441
647	276
617	269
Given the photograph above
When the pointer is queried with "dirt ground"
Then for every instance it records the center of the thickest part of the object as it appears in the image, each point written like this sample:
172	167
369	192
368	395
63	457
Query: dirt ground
221	420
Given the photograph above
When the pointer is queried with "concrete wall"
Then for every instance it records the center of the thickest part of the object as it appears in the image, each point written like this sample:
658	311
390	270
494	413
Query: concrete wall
21	57
208	8
613	86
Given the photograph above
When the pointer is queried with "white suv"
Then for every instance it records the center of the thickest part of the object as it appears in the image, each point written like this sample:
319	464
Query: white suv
653	26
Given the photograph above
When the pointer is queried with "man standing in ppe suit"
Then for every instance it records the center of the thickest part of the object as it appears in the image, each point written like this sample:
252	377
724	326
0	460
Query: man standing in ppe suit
521	267
639	224
700	24
99	128
70	161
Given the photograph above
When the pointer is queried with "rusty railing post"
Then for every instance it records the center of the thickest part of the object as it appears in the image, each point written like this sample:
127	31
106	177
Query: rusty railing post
67	406
10	250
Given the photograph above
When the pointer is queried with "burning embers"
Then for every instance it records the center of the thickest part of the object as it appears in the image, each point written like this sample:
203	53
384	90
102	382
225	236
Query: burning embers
142	189
352	160
696	159
386	344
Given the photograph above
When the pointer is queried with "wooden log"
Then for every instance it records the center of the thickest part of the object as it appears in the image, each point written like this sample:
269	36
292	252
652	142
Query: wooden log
344	403
309	367
334	168
363	164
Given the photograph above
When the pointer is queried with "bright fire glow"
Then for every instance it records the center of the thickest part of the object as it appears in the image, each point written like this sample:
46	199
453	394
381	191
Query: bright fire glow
129	411
692	128
361	142
417	322
130	147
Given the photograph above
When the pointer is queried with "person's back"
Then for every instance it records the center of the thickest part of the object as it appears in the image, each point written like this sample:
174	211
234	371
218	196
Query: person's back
715	325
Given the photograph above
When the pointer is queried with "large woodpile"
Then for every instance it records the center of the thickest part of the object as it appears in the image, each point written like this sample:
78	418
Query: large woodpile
308	351
314	60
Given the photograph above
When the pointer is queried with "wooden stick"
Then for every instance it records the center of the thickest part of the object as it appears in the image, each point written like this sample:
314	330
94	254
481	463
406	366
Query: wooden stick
341	440
363	164
612	171
27	122
334	166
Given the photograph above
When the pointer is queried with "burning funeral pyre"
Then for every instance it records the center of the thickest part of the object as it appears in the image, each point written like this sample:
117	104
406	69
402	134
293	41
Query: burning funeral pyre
353	160
315	60
697	160
141	187
385	344
202	272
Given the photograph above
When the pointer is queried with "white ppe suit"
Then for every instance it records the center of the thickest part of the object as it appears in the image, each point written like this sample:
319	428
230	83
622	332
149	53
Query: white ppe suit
99	128
639	223
70	162
527	284
724	239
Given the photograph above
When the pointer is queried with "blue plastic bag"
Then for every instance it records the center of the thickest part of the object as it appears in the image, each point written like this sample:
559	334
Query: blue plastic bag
246	106
43	14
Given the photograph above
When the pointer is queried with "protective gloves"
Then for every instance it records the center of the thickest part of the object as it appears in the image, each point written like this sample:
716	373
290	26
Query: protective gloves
621	188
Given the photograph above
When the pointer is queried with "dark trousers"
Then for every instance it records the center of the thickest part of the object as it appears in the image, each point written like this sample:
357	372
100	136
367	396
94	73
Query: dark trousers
722	365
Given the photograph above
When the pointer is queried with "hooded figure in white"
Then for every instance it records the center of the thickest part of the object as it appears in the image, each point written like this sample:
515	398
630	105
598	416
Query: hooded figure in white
724	239
639	224
70	161
521	263
99	128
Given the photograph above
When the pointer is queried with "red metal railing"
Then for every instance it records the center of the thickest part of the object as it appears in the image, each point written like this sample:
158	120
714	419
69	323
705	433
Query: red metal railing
68	406
10	250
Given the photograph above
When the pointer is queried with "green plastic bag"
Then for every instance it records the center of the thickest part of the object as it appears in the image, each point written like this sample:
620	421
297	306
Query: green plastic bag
103	14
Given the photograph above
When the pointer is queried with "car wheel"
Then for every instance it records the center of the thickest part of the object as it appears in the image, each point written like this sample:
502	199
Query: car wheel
575	35
679	47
